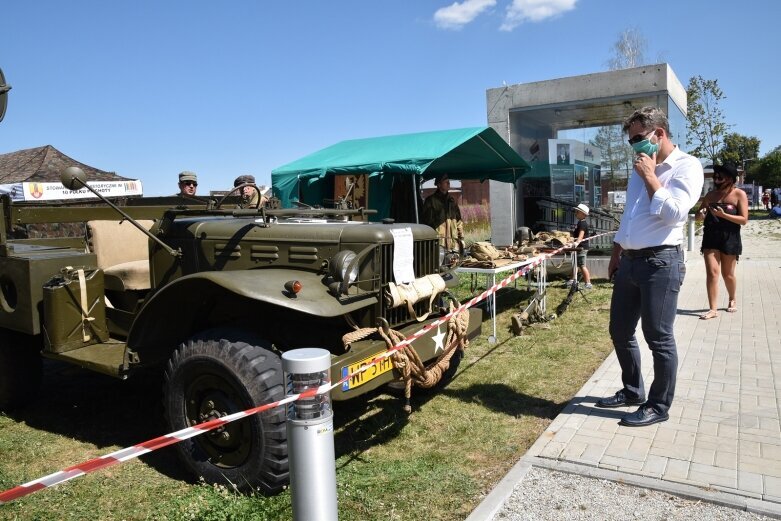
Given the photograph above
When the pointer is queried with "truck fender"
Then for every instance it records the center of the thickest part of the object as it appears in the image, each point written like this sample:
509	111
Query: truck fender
170	315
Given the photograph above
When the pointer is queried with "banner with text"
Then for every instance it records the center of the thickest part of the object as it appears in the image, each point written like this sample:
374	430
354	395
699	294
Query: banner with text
32	191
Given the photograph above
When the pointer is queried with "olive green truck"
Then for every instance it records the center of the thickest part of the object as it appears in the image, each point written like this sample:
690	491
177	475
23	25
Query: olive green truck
210	297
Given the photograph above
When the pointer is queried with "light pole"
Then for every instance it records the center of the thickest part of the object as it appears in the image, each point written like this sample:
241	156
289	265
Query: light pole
754	196
746	161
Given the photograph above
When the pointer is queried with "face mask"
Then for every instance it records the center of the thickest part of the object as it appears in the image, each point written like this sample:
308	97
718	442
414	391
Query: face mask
646	147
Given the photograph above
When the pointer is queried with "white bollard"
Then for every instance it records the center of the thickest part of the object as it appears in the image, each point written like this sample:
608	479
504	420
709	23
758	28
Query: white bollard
310	436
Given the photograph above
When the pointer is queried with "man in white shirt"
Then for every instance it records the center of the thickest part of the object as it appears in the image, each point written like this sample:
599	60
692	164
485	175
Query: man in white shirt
647	262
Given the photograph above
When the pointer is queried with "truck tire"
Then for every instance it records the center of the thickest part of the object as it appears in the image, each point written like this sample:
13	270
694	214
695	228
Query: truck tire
20	370
210	377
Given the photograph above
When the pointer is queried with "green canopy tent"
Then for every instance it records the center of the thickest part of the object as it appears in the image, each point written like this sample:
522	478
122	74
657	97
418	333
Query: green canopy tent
469	153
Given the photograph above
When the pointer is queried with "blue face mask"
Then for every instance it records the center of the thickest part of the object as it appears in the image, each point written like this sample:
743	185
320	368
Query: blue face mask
646	147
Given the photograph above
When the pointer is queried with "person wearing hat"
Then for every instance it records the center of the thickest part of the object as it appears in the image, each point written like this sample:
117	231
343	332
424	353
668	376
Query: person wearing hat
250	197
725	210
580	233
441	212
188	183
647	265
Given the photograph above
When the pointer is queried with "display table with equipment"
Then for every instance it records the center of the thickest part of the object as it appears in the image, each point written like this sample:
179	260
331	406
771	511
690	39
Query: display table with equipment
491	277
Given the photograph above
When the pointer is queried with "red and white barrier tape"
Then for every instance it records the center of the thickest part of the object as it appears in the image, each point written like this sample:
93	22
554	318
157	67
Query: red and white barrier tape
190	432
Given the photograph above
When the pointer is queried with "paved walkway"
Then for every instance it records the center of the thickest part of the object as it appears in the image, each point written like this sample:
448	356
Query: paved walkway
723	440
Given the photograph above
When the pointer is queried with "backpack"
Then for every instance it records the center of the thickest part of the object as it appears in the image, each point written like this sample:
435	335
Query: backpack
484	251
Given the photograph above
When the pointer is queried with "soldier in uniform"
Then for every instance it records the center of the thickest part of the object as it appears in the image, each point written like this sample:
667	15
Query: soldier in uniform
441	212
188	183
250	198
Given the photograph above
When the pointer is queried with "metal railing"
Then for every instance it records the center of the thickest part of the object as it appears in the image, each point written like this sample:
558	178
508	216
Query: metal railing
557	214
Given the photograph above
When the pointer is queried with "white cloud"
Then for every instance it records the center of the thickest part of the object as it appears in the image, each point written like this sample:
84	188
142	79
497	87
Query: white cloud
520	11
458	14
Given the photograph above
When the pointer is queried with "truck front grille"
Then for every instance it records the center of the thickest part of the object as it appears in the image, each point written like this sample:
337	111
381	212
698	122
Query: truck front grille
426	262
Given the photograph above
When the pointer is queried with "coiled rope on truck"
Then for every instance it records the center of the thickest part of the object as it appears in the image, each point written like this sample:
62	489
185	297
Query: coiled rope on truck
407	361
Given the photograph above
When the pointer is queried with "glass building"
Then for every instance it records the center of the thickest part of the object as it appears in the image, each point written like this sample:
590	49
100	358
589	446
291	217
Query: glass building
569	130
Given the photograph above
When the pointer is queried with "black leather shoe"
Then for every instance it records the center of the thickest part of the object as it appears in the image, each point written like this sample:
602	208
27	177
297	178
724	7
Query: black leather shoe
619	399
645	415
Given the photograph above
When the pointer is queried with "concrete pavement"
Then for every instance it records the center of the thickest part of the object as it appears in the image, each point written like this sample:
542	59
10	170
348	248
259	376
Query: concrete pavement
722	442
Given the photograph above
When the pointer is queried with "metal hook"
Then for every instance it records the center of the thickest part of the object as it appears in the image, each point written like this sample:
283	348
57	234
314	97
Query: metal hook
383	324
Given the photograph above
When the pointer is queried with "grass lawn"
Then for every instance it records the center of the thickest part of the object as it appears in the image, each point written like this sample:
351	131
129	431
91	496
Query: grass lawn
435	464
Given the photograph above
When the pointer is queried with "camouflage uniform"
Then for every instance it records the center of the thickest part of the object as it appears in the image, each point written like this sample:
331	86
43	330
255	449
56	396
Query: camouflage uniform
441	212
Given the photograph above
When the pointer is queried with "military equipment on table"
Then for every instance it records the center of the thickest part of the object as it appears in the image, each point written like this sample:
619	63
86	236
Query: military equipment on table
213	296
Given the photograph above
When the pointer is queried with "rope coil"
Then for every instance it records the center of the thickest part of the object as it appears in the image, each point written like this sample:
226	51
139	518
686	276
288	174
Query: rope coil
407	361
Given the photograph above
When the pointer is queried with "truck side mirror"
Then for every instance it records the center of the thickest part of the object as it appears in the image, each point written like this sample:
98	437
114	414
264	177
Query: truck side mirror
73	178
4	88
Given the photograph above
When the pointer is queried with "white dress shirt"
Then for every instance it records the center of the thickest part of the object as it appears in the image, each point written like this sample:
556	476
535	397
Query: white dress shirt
659	220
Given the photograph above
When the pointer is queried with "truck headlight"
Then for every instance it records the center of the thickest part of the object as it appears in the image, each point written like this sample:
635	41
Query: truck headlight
448	259
341	263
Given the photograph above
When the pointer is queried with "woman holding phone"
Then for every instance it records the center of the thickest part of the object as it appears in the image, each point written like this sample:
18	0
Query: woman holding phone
725	210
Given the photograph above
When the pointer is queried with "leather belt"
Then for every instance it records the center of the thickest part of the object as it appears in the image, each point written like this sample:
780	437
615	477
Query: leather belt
649	252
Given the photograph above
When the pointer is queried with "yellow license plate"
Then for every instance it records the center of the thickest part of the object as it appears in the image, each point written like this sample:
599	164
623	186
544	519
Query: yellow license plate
383	366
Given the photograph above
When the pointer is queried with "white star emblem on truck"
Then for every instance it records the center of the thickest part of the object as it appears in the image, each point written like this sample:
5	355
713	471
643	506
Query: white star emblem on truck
439	341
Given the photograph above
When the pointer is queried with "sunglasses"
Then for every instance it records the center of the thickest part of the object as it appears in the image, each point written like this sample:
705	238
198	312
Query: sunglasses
640	137
718	176
189	183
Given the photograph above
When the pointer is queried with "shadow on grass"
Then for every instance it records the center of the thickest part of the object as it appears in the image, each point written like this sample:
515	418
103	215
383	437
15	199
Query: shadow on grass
502	398
104	411
372	420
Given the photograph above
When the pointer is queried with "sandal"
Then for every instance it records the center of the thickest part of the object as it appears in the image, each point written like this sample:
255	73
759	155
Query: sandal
712	313
732	307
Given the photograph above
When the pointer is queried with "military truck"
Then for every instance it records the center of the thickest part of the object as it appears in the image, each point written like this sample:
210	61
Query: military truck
210	296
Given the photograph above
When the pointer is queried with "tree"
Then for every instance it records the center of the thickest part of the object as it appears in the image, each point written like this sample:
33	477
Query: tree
705	120
628	50
616	154
767	171
738	148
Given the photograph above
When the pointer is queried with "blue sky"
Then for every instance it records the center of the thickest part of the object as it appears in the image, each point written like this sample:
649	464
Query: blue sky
149	88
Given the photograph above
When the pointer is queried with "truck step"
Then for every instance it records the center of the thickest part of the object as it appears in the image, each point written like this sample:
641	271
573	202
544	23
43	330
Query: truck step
107	358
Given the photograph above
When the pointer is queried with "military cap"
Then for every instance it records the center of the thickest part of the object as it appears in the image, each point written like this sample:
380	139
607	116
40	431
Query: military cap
187	176
243	179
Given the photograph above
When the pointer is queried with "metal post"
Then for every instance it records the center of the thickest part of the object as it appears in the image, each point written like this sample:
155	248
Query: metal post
310	436
415	195
690	233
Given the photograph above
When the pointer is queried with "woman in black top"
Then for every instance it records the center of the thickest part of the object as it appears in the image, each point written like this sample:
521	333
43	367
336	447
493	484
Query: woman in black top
725	210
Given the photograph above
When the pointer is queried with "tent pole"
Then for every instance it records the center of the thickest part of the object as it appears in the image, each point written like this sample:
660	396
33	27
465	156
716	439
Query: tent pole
494	150
515	208
415	197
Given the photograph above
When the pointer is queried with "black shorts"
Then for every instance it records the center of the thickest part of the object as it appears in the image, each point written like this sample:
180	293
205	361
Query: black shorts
727	242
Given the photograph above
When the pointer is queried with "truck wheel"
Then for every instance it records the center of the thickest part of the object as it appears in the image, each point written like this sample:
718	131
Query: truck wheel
20	370
207	378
